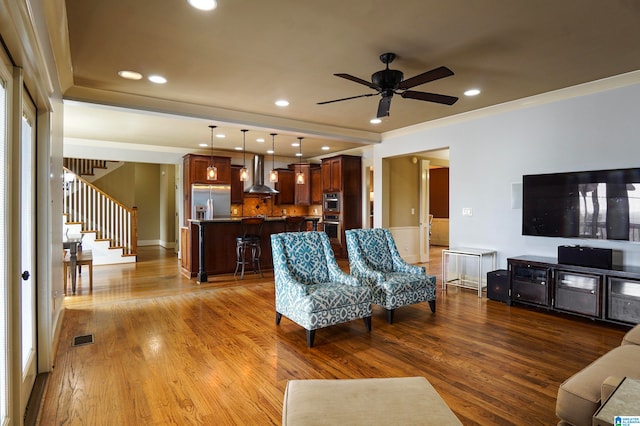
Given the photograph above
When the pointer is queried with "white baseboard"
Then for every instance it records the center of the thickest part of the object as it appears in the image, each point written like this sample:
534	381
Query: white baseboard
165	244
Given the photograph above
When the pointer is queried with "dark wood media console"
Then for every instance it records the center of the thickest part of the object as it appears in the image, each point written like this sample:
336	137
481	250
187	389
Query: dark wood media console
611	295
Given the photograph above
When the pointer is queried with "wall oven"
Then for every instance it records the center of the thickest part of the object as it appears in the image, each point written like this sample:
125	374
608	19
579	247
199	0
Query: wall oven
331	202
332	228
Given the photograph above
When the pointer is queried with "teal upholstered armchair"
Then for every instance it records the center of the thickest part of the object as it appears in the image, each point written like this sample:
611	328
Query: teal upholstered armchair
374	259
311	289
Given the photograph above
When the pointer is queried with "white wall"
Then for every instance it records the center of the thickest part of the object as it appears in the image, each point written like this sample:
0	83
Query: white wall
490	151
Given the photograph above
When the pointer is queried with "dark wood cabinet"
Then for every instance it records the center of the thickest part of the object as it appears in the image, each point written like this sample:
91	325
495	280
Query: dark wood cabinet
303	194
196	168
302	190
332	174
316	185
285	185
611	295
237	186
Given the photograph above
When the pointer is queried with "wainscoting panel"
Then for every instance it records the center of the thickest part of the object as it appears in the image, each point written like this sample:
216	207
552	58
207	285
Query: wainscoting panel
408	242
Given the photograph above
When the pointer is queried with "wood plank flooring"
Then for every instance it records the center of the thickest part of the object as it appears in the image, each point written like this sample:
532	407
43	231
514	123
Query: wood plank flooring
170	351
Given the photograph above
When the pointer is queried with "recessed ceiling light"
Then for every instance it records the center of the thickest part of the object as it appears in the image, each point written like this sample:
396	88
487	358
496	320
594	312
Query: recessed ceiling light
238	148
325	148
375	121
130	75
260	140
282	102
472	92
204	145
270	151
158	79
204	4
298	154
221	136
295	144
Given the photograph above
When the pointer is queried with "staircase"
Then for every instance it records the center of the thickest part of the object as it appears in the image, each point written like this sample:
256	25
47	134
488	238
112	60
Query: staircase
108	227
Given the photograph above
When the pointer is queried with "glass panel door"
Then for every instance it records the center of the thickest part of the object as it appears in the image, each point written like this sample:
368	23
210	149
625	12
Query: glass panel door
27	249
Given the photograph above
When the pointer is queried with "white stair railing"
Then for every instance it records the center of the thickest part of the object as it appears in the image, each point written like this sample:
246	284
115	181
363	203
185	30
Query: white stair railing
99	212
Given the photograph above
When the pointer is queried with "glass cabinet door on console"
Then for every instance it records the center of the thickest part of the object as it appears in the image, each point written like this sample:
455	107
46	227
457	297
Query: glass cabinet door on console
578	293
623	300
530	283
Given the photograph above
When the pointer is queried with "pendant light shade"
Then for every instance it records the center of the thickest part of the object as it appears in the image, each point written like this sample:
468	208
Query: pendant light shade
212	170
299	174
244	173
273	174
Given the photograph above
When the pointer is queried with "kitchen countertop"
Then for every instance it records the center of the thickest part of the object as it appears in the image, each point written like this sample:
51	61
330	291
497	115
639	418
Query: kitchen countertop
238	219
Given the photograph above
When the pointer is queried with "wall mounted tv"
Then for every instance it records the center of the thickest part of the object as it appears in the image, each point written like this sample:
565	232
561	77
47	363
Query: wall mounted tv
602	204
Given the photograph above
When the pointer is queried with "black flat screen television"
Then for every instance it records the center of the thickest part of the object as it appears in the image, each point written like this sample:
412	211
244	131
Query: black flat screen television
601	204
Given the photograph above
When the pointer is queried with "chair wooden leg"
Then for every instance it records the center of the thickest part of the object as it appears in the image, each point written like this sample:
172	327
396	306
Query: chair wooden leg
432	305
310	335
390	316
66	279
367	323
91	276
278	318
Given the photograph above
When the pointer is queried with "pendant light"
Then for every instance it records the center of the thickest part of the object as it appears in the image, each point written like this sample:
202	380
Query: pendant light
300	174
212	170
244	173
273	174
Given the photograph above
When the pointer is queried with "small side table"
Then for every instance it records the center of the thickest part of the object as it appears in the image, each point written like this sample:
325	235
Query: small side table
477	254
623	402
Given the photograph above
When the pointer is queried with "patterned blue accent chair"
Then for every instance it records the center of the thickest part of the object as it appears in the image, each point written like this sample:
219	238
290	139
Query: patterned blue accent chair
311	289
374	259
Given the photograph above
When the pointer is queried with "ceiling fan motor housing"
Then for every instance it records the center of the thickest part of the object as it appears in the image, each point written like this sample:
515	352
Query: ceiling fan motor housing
387	79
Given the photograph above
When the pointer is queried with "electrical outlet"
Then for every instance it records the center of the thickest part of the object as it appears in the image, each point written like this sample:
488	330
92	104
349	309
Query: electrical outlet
467	211
235	211
284	211
413	211
315	211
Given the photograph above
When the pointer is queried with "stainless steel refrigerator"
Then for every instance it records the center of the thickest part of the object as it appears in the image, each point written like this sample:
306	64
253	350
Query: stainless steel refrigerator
210	201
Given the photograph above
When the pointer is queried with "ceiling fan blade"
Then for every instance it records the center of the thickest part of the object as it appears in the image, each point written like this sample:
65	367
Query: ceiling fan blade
346	99
358	80
430	97
425	77
383	106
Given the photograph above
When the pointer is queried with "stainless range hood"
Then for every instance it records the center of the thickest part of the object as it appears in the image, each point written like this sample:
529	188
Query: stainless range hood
258	186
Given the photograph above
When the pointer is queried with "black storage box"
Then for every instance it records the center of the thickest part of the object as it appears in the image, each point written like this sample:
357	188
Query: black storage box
498	285
591	257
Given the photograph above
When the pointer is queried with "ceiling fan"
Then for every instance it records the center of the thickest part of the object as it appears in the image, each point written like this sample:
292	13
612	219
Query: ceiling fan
388	82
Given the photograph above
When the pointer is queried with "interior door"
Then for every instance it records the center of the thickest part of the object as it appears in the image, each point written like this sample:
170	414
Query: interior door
424	210
27	250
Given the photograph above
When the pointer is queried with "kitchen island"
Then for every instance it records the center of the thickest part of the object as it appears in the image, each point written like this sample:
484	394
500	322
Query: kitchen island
208	247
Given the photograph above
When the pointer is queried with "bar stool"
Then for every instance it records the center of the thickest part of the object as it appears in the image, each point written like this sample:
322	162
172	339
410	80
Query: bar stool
249	240
294	223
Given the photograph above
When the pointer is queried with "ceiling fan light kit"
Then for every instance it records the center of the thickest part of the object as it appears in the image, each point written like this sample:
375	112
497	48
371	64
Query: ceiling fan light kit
388	82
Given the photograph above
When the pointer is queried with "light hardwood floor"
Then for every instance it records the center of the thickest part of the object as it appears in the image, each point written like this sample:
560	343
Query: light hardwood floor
170	351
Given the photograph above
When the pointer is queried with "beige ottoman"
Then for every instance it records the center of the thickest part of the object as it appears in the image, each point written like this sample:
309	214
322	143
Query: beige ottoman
402	401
